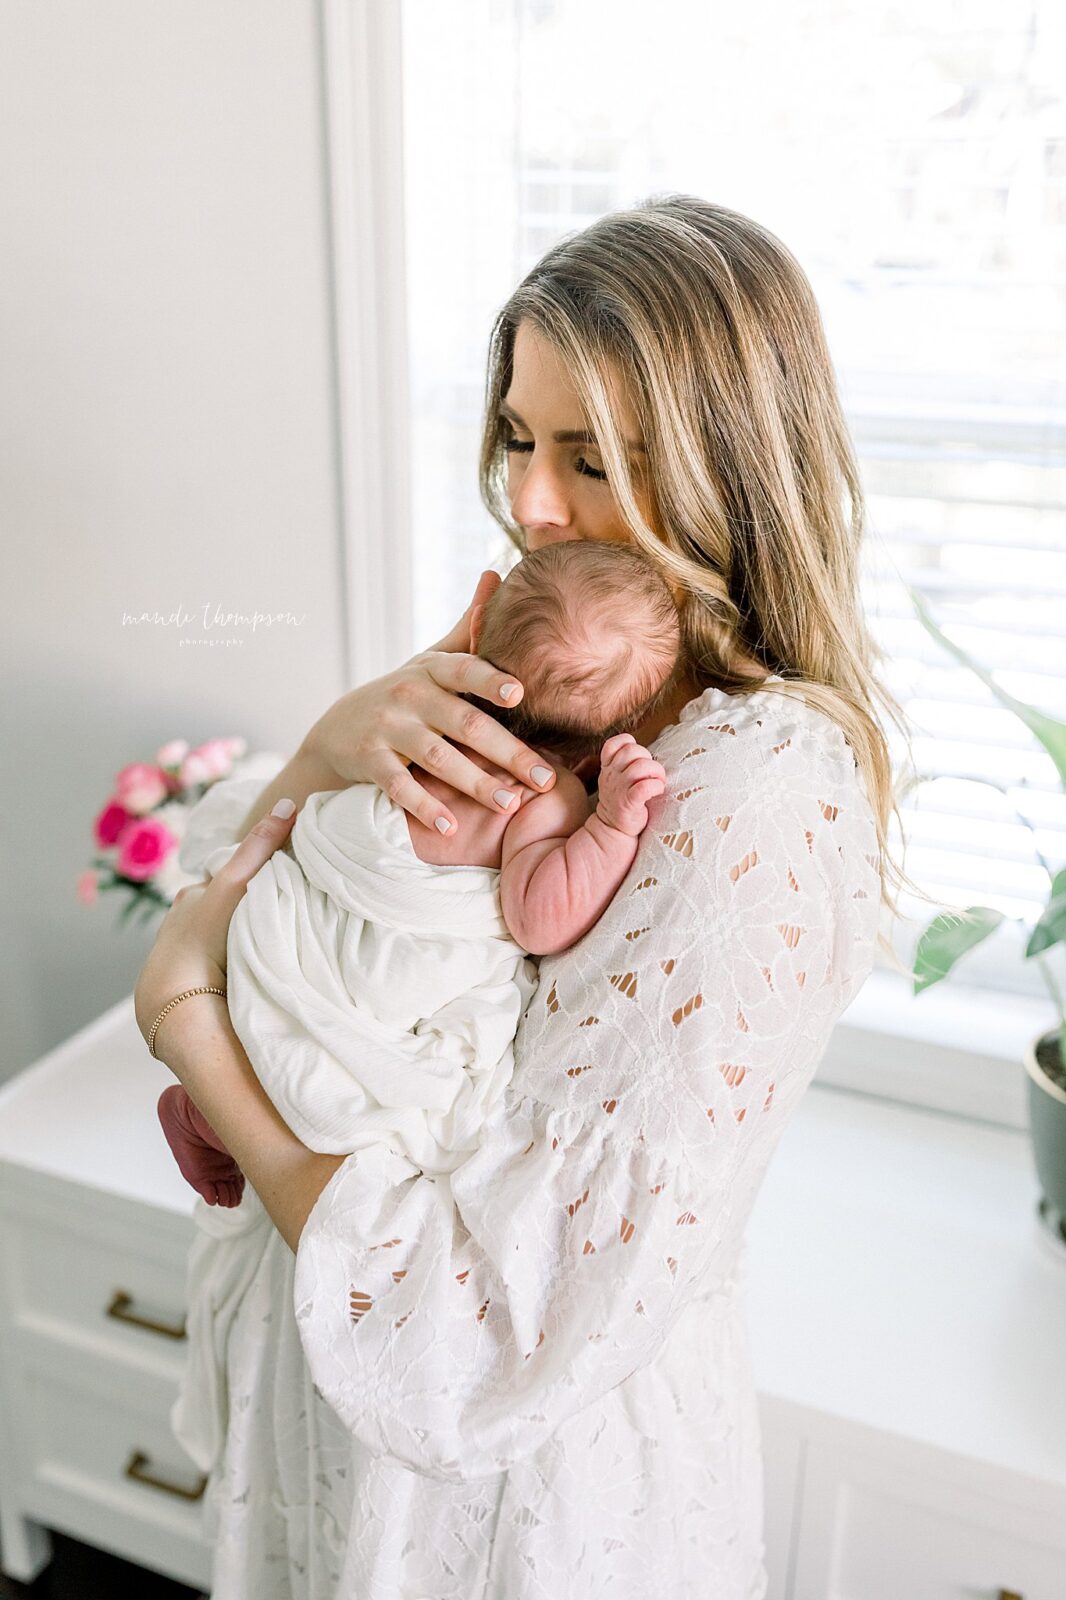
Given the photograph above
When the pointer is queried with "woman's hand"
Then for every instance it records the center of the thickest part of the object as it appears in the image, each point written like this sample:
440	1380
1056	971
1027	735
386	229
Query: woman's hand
190	947
371	734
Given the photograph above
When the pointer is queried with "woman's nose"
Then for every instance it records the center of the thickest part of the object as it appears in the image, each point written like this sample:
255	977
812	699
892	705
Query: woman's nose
541	507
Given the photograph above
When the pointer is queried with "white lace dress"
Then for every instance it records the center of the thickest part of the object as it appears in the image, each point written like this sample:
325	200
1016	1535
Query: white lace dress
529	1379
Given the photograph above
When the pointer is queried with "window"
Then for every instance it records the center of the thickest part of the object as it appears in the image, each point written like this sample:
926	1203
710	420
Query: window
913	156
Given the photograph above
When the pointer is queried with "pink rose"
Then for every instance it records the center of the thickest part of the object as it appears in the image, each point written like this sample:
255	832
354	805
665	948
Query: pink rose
87	887
215	754
110	823
144	847
194	770
237	748
139	787
172	754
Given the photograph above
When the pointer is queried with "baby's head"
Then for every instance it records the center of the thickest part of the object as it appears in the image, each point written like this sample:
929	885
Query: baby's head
591	631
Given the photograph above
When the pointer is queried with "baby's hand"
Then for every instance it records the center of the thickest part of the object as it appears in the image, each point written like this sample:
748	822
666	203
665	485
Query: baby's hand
629	778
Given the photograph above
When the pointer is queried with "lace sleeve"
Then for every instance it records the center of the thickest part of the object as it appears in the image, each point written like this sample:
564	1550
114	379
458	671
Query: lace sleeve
454	1323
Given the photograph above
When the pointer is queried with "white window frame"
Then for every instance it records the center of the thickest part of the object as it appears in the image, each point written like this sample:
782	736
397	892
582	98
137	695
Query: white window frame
362	85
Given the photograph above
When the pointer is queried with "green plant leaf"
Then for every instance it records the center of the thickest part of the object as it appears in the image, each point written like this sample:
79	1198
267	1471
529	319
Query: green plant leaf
1051	733
1051	928
946	939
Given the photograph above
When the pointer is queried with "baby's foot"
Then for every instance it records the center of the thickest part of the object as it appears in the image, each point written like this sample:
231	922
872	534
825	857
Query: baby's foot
211	1171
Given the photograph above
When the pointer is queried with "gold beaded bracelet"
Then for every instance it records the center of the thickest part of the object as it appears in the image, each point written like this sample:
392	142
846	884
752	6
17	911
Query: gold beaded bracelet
205	989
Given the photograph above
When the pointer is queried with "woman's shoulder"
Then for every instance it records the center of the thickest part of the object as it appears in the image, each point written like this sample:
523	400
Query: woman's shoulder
756	719
770	731
775	762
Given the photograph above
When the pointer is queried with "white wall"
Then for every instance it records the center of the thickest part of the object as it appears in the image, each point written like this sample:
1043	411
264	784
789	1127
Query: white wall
166	434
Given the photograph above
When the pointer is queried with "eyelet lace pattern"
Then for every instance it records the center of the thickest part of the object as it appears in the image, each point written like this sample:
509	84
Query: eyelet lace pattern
530	1377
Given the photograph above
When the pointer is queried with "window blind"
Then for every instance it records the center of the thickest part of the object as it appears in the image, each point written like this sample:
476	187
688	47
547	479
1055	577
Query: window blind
912	155
966	506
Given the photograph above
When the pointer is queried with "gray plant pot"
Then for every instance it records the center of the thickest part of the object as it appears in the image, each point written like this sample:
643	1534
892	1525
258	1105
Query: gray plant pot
1047	1127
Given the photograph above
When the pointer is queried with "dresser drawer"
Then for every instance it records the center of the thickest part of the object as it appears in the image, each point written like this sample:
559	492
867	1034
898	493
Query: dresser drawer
91	1280
96	1228
877	1528
97	1453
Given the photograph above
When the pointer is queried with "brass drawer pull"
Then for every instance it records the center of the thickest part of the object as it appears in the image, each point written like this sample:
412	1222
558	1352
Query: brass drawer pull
1009	1594
120	1310
135	1469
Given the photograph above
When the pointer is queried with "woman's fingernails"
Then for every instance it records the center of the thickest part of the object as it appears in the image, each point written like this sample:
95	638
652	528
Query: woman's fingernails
284	808
442	823
541	774
507	690
502	797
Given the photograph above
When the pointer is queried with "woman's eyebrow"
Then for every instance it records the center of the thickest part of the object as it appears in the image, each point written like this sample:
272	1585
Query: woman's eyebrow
568	435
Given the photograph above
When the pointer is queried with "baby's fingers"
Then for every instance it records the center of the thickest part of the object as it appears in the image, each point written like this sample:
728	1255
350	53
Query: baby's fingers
630	754
643	767
645	789
612	745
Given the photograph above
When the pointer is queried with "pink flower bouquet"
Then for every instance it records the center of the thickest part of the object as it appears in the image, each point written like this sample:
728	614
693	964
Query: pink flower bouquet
143	823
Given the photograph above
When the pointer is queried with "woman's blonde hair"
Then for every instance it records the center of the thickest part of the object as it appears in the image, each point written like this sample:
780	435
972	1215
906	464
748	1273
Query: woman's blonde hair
712	326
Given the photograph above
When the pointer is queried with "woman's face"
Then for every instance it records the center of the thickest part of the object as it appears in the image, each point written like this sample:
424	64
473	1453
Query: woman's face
554	483
557	484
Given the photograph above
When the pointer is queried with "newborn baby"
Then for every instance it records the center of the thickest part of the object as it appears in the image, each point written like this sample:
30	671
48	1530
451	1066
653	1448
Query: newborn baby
377	970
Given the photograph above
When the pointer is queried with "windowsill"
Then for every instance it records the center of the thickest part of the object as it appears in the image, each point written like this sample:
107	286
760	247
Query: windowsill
952	1048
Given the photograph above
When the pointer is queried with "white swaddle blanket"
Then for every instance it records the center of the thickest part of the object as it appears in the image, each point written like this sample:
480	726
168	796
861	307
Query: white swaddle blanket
377	997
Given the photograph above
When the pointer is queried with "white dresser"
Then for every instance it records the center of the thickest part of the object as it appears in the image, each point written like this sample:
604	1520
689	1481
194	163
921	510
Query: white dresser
908	1323
908	1326
97	1221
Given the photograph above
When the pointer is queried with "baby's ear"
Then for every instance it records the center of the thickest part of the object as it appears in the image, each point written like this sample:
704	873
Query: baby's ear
475	626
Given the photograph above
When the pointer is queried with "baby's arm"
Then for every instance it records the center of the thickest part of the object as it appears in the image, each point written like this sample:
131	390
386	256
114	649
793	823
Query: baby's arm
560	866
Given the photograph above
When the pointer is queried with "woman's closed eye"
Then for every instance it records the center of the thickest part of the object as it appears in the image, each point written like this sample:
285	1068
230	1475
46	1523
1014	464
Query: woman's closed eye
524	446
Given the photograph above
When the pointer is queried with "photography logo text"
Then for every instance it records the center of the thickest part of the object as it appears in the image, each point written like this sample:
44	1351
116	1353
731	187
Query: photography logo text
212	626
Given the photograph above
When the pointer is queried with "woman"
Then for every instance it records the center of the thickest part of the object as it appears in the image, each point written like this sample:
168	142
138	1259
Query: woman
532	1378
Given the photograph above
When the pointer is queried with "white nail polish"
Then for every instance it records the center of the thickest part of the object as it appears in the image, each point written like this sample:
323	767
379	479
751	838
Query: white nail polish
502	797
442	823
540	774
284	808
507	690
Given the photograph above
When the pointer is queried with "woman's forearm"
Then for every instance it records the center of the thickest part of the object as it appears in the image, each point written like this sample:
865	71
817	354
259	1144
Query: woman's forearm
209	1060
307	773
